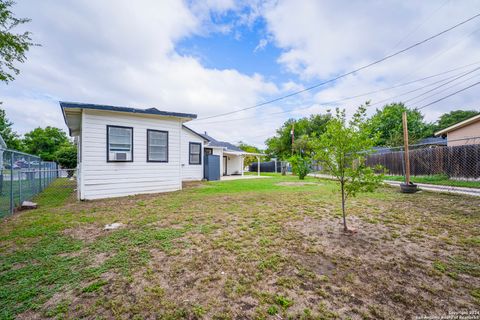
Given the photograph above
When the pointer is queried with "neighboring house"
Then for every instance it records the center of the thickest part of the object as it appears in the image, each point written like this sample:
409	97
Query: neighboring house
126	151
463	133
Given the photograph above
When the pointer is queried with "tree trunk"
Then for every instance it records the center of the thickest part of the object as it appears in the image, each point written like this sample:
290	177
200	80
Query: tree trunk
343	207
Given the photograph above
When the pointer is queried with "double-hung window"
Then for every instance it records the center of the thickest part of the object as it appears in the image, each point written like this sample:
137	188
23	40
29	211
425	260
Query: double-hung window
157	146
195	153
119	144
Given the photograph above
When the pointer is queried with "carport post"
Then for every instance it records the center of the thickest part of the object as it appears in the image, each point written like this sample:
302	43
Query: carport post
243	158
12	201
258	167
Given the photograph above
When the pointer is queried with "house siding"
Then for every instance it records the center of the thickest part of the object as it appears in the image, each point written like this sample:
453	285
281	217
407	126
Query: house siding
234	165
468	131
102	179
190	172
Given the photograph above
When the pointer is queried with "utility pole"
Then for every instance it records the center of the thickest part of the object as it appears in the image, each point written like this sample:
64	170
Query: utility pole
405	142
293	135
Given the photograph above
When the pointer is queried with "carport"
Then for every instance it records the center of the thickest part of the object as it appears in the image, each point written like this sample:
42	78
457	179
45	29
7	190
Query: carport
237	158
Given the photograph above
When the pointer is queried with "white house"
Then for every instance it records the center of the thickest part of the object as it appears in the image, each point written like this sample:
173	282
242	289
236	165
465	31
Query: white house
126	151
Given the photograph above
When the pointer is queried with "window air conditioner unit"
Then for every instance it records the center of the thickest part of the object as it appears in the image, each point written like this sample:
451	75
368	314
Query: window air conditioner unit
121	156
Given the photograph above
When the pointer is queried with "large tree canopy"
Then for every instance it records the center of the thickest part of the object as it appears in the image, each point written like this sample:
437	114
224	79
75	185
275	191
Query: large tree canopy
281	144
45	142
13	46
66	156
11	137
387	123
448	119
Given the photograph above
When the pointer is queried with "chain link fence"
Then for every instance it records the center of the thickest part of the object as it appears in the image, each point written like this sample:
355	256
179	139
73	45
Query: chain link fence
443	166
23	177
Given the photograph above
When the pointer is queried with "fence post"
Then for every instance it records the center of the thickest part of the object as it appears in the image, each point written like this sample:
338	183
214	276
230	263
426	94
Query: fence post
20	186
12	205
39	176
405	142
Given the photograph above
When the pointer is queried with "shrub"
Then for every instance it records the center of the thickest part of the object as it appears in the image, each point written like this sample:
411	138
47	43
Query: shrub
300	166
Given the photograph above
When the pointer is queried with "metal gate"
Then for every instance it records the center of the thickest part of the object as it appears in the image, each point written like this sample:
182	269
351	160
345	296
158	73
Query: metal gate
211	167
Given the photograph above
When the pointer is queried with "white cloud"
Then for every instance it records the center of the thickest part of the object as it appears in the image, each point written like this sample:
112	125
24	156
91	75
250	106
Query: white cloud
261	45
122	53
321	40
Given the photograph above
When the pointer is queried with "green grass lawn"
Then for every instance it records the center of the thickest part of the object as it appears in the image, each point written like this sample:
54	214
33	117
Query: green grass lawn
258	249
438	180
27	190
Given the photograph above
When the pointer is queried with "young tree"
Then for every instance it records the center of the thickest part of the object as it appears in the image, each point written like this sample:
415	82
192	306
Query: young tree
342	151
301	159
45	142
11	137
300	165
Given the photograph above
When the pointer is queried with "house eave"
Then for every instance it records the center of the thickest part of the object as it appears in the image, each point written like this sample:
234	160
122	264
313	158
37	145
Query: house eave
108	108
195	133
458	125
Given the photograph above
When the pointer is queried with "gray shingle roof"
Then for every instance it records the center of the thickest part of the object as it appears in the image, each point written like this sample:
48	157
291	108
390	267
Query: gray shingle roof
433	140
223	144
77	105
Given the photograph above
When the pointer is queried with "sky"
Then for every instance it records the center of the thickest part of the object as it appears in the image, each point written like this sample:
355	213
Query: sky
215	56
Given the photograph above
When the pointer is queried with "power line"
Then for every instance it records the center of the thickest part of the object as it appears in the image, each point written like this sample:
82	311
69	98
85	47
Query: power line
444	90
364	94
448	96
406	83
439	86
420	24
441	53
350	72
445	97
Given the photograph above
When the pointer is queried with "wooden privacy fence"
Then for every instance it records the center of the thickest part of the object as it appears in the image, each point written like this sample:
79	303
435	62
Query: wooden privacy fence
455	162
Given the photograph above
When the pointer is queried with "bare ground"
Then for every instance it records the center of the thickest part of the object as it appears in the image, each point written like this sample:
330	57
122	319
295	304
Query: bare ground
271	255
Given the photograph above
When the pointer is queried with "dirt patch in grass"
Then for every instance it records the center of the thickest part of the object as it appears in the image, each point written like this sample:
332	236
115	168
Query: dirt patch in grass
267	255
86	233
193	184
296	184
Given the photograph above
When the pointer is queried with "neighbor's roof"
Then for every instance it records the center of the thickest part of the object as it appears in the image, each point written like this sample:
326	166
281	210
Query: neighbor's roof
459	125
72	113
195	132
222	144
3	145
433	140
